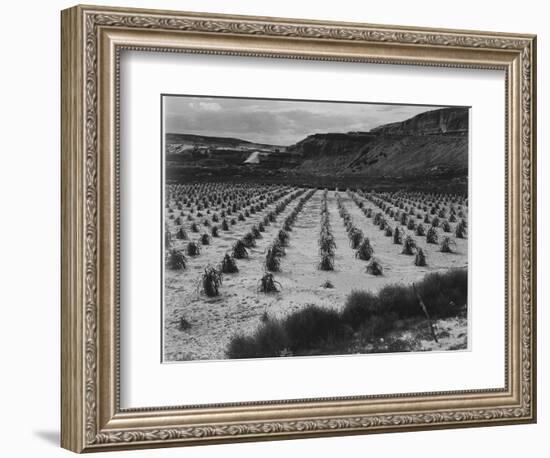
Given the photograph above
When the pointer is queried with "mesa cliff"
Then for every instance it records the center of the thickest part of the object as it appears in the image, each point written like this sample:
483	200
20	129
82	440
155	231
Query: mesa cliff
431	143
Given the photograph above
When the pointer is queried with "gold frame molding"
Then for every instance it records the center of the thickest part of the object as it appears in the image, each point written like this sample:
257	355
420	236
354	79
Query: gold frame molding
92	39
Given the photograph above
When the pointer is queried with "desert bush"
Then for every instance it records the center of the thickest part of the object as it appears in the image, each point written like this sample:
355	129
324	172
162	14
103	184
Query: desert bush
369	314
420	258
435	221
444	292
327	284
359	307
211	281
312	326
233	221
377	326
448	245
178	220
403	219
261	227
205	239
239	250
229	265
411	224
388	231
431	236
206	223
225	225
268	341
195	227
215	231
365	250
193	249
176	260
409	246
452	218
399	299
427	218
446	226
375	267
268	284
215	218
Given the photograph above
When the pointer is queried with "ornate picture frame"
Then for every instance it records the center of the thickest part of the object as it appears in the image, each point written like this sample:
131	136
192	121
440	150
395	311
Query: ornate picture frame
92	40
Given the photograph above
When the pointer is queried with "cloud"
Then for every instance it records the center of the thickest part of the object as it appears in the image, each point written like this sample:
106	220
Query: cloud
279	122
210	106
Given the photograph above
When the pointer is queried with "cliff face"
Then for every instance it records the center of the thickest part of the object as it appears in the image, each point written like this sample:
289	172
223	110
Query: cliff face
434	142
444	121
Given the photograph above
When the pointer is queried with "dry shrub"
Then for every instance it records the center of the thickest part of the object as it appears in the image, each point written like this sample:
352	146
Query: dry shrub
365	250
409	246
268	284
176	260
420	230
420	258
211	281
448	245
239	250
375	267
283	237
397	236
431	236
273	260
193	249
327	262
229	265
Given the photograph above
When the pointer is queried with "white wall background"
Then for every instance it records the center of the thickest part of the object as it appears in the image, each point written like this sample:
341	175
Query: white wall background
29	230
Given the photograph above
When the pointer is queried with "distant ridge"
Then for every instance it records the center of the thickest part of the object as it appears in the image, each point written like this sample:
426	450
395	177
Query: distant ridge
210	141
427	148
434	142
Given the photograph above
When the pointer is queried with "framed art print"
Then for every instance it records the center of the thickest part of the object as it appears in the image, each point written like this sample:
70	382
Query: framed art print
278	228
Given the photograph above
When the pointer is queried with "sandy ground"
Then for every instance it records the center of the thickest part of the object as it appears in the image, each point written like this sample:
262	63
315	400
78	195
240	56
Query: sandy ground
238	309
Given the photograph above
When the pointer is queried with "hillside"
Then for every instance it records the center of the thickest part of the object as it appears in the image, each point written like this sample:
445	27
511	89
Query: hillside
433	143
179	143
427	151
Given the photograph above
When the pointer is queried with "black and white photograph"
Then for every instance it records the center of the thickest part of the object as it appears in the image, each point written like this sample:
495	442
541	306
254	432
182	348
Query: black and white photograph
309	228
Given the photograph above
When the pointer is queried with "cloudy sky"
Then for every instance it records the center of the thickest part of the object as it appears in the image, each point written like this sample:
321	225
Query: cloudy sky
277	122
